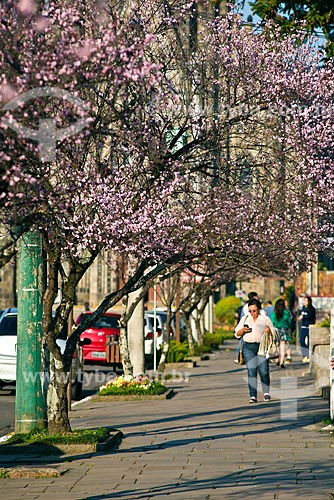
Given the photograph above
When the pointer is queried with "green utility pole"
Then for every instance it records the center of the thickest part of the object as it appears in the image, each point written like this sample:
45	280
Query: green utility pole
30	407
331	371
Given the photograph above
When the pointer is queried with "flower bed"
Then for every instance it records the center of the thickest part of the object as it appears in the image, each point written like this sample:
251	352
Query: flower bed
127	385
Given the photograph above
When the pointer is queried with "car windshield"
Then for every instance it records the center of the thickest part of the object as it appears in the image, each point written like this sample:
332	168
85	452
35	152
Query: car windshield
163	316
105	322
8	325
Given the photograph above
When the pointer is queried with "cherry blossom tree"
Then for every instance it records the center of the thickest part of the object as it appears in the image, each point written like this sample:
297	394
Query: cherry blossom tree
177	153
292	15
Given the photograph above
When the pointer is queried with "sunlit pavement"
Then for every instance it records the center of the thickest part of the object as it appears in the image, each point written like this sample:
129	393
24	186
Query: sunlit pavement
206	442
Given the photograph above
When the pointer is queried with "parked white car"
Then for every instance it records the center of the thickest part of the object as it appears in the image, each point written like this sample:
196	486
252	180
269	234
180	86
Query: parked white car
8	341
8	349
162	323
148	336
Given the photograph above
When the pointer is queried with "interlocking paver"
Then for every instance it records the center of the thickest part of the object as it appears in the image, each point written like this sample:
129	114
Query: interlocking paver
206	443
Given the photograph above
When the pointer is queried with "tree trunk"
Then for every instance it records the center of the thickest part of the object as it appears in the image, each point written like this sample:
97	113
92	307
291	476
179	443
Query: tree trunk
163	357
190	337
124	350
200	314
136	334
56	383
165	345
198	323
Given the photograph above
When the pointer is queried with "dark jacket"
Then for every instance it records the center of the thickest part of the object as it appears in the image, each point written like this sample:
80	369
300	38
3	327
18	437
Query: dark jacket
308	316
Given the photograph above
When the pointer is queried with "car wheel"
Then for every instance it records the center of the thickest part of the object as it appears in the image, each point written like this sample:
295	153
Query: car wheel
76	389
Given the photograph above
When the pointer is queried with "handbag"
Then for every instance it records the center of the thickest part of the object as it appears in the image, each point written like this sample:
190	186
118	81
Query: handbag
273	353
268	346
241	359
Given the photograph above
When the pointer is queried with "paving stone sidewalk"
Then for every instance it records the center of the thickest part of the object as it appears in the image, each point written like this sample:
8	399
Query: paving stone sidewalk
206	443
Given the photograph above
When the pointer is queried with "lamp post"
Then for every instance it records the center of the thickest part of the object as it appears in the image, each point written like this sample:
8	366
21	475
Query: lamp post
30	405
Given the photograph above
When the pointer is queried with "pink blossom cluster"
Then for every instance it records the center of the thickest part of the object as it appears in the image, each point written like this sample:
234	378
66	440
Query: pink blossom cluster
216	154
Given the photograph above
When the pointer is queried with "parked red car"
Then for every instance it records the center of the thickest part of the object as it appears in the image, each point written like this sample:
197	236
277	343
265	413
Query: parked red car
97	332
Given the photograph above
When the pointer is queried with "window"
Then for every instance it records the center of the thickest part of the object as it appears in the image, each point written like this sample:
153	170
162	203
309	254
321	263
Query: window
8	325
104	322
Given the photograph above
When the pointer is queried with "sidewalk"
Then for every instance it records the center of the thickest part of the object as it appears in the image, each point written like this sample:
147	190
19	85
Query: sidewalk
205	443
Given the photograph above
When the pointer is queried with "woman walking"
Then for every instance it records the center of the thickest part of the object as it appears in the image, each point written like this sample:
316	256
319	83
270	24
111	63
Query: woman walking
307	315
251	328
281	320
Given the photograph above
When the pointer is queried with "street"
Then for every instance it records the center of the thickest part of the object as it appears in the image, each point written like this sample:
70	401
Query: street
7	411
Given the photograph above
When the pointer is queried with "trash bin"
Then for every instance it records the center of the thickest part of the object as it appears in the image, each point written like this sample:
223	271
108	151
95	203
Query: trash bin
113	356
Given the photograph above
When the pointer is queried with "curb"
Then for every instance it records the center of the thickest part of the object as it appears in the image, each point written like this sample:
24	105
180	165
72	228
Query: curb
114	439
133	397
181	364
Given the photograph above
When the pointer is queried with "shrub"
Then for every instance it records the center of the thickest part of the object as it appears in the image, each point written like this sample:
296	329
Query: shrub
177	351
290	295
326	321
276	299
213	340
225	310
224	334
202	349
293	337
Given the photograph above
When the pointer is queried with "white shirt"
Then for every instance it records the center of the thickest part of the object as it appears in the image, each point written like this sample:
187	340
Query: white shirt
257	327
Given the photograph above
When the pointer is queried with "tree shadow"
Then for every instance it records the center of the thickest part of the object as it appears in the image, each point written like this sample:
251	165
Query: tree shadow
251	482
